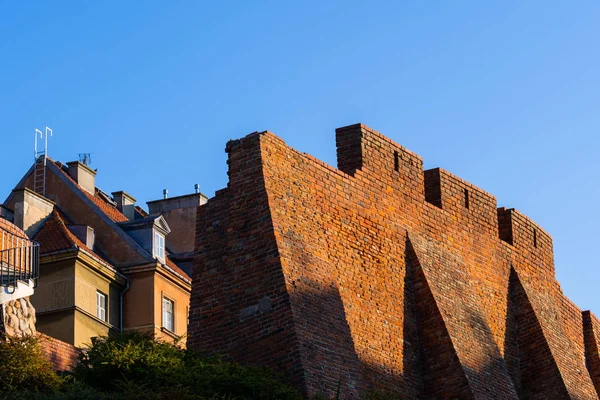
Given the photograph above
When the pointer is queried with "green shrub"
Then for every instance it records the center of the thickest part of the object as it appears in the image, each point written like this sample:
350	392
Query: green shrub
142	367
135	356
24	365
133	366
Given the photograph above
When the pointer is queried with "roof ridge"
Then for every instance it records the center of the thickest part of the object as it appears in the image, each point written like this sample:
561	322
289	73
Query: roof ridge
55	221
111	212
60	218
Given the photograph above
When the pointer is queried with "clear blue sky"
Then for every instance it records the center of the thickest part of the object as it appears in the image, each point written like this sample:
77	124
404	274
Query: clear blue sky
504	95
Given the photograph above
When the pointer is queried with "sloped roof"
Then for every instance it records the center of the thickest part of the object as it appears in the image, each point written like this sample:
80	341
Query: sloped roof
11	236
151	220
54	235
12	229
140	212
175	268
110	210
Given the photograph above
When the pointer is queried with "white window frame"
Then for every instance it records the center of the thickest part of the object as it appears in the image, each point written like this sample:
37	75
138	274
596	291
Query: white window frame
159	246
101	308
168	323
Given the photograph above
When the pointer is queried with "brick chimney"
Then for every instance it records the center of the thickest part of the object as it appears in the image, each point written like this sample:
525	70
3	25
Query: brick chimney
125	203
30	210
83	175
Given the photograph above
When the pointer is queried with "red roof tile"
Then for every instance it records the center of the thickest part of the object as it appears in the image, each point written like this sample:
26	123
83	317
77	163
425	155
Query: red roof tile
175	268
106	208
11	228
55	236
11	236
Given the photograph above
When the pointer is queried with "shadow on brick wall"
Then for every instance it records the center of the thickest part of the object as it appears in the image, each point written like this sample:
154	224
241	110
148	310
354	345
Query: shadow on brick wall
527	353
330	357
327	343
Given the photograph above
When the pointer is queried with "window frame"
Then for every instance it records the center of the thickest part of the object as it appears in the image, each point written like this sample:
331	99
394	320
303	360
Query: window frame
159	246
167	300
99	308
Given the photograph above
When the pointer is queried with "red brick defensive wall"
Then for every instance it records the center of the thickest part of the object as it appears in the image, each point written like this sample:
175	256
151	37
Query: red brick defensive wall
381	277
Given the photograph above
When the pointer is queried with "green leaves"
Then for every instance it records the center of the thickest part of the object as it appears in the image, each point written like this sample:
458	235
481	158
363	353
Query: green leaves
135	362
134	366
24	365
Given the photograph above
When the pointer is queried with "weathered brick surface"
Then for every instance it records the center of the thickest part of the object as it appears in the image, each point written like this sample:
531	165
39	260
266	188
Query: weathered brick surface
591	326
63	355
380	276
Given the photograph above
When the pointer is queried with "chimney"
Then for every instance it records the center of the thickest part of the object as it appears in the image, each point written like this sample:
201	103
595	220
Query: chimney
180	214
83	175
85	234
30	210
125	204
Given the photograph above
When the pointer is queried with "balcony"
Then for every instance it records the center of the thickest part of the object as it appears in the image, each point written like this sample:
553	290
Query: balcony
19	266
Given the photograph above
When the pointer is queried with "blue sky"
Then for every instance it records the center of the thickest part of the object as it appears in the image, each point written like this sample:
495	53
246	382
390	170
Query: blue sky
505	95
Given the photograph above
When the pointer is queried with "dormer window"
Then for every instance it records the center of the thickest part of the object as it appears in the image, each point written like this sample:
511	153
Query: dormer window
159	246
149	232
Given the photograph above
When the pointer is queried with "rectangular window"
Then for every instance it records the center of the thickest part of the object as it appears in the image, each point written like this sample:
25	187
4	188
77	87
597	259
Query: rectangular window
159	246
101	305
168	308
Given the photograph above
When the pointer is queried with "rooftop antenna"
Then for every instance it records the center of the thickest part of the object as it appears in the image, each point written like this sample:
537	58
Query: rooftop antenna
85	159
40	160
197	188
166	193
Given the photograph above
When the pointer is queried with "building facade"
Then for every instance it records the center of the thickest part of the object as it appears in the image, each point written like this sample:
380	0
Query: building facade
106	265
378	276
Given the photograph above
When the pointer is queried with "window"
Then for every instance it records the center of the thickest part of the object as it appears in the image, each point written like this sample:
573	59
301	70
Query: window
168	306
159	246
101	306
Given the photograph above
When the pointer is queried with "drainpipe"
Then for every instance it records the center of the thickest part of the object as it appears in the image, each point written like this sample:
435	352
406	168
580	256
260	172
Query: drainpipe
121	304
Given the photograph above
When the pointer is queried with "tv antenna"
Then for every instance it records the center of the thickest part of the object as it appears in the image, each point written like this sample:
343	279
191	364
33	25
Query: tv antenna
39	158
85	159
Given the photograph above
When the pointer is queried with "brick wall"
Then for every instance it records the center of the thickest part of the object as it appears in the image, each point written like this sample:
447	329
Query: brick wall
380	276
63	355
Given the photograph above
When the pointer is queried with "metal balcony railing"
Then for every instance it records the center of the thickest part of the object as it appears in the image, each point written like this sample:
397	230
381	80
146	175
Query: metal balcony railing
21	263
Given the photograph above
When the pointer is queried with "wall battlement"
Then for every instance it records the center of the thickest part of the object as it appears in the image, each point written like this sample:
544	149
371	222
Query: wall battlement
362	148
381	276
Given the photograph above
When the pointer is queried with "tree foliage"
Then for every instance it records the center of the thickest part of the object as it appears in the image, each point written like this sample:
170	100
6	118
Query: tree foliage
24	365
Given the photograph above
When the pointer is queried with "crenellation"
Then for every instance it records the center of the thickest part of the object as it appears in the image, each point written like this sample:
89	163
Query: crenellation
372	269
433	187
505	230
520	231
360	148
466	203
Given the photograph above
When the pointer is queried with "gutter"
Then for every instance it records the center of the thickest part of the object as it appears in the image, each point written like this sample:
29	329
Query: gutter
121	305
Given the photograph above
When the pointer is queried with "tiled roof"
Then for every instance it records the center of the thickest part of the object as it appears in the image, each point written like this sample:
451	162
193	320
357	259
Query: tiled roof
12	229
11	236
140	212
55	236
175	268
108	209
